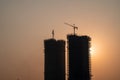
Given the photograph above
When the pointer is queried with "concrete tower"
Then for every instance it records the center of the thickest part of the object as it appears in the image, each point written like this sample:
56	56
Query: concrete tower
54	59
78	51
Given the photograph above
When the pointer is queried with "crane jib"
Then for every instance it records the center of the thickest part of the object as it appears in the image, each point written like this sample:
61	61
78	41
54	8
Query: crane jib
74	27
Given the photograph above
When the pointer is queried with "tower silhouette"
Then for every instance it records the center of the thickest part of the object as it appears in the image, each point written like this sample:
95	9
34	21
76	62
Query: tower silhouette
54	59
78	51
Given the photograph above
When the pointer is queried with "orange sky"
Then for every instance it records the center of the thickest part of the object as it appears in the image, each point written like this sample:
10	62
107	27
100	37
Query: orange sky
25	24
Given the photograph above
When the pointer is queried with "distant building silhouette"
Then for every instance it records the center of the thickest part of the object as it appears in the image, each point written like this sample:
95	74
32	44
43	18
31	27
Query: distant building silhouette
54	59
78	51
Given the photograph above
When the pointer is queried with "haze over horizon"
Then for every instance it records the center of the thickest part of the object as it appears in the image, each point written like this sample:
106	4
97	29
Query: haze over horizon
24	24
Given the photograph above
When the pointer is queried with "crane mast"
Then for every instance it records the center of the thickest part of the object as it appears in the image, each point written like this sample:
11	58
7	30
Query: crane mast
53	34
74	27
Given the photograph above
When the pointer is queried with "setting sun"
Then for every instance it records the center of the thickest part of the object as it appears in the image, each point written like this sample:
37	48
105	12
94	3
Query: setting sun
93	50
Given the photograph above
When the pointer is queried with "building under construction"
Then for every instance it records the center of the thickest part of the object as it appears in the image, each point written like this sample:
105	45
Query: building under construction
54	59
79	63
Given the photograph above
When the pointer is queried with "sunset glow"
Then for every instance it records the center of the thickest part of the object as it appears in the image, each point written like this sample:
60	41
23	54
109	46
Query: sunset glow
24	24
93	50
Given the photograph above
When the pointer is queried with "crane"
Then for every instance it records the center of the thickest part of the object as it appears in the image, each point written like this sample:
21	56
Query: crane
53	33
74	27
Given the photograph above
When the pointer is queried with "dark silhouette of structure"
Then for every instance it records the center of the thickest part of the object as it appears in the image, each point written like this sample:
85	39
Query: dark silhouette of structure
78	51
74	27
54	59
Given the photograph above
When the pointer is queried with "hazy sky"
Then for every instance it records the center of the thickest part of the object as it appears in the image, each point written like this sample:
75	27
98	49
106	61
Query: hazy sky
24	24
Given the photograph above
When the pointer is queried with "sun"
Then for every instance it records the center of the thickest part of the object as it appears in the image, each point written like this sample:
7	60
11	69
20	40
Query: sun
93	50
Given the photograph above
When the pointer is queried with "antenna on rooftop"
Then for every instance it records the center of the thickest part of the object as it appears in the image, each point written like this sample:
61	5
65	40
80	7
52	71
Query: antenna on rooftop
74	27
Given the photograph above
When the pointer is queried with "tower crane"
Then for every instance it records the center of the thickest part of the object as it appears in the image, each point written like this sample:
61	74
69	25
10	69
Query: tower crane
53	33
74	27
